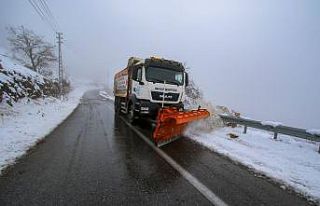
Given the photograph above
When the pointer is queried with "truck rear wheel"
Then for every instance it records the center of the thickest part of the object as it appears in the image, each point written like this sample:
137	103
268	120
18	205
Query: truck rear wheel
117	105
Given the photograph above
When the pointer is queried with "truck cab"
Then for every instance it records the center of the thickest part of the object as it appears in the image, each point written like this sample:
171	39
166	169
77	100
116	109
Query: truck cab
152	83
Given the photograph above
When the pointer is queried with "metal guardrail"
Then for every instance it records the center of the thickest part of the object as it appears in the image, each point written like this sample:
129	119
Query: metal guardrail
280	129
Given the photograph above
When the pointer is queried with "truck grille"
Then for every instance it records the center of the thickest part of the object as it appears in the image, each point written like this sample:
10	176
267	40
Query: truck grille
173	97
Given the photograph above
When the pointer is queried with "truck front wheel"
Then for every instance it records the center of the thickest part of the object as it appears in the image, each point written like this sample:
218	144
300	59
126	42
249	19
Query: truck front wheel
132	114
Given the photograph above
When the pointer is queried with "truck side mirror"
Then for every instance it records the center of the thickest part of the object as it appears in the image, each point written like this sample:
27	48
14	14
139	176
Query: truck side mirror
187	79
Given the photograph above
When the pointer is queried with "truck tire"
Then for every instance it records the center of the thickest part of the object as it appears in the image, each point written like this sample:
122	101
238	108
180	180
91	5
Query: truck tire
117	105
132	114
181	107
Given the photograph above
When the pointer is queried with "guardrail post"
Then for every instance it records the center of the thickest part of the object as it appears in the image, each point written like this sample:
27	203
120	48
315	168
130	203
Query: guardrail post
275	136
245	129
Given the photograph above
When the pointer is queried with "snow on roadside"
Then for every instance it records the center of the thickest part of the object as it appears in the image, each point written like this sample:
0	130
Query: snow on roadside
271	123
105	95
291	161
314	131
28	121
11	66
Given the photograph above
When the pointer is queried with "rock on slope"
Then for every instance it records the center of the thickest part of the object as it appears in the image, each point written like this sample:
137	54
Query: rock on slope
17	82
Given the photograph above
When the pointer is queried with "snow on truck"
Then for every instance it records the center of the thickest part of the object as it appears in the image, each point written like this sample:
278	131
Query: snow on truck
154	89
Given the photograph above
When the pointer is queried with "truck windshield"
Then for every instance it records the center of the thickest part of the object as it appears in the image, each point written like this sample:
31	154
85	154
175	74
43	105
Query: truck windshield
157	74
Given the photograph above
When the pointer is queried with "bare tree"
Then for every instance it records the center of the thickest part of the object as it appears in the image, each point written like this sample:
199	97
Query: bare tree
31	50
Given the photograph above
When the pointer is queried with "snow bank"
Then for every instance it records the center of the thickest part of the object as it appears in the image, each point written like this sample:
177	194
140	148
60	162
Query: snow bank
314	131
212	122
292	161
10	66
271	123
31	120
105	95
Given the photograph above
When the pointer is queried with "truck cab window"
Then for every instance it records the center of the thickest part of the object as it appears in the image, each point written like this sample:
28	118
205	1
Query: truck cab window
159	75
134	73
139	75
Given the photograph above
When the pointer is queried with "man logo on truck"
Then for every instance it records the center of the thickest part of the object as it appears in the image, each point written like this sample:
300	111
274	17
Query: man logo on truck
166	96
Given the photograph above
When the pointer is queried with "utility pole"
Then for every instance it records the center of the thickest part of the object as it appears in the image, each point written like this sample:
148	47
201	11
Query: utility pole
60	66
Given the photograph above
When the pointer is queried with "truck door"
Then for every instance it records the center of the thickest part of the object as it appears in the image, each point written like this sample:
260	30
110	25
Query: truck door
136	79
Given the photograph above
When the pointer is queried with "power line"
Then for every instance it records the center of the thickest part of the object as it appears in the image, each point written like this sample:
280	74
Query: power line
43	14
43	10
35	8
47	9
46	15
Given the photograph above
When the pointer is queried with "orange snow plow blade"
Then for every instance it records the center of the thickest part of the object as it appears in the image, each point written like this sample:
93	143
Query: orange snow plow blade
171	123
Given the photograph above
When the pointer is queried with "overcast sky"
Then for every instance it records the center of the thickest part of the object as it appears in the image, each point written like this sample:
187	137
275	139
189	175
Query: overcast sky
261	58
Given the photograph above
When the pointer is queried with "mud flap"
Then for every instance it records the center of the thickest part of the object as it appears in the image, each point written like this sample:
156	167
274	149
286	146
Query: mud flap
171	122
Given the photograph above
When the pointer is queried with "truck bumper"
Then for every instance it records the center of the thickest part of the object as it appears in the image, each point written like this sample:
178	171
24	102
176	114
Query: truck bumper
147	108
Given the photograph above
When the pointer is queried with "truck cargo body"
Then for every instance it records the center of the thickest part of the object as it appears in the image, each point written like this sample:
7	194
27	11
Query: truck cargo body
145	86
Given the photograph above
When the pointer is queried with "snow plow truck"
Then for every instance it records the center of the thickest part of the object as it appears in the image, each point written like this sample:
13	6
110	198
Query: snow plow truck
154	89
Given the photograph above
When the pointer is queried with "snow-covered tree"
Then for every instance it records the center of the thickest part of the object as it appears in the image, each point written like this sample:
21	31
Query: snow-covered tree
192	90
195	99
31	50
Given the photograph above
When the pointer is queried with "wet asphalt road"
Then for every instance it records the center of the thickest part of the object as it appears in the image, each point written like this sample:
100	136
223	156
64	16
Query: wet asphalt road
94	158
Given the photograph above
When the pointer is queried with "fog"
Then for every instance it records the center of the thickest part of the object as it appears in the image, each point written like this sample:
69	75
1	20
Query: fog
258	57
